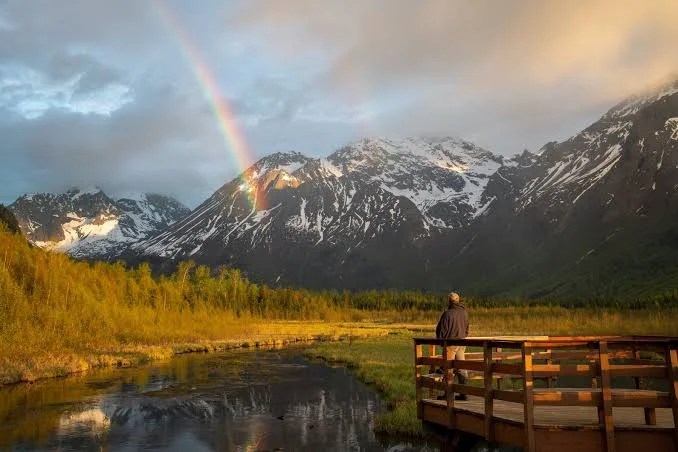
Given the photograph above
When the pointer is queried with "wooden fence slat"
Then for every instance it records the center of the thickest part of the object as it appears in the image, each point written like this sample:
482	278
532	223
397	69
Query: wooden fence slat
432	368
418	351
449	380
636	381
489	400
549	361
433	362
469	390
508	396
528	403
470	342
605	412
637	371
646	399
672	365
554	397
507	369
564	370
432	383
469	365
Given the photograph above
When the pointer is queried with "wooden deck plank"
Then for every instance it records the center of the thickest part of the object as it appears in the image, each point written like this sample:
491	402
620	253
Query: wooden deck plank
548	416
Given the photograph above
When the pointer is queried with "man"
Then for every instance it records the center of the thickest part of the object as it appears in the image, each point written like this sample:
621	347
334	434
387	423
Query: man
453	324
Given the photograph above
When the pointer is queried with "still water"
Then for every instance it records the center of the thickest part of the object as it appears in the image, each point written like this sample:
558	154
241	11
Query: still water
236	401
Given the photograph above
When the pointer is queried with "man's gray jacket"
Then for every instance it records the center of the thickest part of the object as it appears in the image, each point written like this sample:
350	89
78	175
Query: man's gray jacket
453	324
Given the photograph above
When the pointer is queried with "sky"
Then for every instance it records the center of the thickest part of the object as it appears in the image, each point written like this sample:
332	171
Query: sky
178	97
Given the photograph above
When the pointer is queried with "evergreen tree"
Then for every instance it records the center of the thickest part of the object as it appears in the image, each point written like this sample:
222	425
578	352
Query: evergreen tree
8	219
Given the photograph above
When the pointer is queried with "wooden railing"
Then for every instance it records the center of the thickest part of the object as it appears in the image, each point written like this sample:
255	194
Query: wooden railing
544	360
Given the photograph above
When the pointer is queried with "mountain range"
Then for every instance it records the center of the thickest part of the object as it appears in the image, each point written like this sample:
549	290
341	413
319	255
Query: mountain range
87	223
594	215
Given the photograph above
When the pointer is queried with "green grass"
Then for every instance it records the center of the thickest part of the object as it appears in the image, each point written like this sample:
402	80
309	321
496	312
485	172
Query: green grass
387	364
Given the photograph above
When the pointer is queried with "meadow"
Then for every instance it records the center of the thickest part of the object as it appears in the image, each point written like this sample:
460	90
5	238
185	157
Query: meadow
59	316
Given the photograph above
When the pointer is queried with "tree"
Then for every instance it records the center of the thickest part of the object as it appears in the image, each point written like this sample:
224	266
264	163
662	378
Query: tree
8	220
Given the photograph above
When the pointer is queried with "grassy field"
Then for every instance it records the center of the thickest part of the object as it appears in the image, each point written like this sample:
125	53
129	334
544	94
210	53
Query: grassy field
18	365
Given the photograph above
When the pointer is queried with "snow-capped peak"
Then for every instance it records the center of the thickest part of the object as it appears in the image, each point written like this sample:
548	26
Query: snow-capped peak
288	162
88	223
445	177
633	104
77	192
131	195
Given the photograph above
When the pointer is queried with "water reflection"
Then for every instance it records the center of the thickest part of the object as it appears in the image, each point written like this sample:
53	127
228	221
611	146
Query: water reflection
235	401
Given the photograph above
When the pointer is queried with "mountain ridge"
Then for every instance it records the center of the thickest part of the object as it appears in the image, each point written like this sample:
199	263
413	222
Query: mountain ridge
434	212
87	223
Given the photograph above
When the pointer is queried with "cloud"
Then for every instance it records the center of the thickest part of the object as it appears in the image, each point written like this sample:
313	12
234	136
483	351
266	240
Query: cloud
102	92
147	145
453	57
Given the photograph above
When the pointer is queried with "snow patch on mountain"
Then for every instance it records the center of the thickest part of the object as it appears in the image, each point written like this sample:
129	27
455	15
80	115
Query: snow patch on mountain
84	232
87	223
672	126
572	168
632	105
444	177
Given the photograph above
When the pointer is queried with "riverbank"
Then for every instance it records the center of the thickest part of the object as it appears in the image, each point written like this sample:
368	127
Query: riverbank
386	363
61	363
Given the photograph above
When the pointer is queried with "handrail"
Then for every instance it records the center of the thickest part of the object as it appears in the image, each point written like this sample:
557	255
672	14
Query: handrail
598	358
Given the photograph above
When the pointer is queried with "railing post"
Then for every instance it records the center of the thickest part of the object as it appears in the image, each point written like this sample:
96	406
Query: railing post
449	380
432	370
605	412
650	413
672	365
418	353
549	380
489	396
528	402
500	380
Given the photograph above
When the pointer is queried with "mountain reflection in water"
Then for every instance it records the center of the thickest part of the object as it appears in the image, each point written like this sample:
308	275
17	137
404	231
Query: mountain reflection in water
238	401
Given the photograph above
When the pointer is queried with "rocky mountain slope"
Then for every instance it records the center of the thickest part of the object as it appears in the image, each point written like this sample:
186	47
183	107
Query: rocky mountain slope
295	220
444	177
89	224
595	215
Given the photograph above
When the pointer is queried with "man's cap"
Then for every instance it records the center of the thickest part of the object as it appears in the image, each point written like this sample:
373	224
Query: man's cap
453	297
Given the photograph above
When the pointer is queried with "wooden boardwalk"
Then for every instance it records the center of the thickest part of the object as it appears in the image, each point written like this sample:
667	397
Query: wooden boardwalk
629	403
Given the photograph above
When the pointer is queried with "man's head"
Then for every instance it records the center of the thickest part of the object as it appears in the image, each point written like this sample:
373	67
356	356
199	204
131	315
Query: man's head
453	297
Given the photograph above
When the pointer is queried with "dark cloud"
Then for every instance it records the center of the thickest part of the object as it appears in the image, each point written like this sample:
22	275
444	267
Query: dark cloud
92	74
148	144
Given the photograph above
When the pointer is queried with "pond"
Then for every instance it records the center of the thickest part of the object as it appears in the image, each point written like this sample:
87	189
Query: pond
261	400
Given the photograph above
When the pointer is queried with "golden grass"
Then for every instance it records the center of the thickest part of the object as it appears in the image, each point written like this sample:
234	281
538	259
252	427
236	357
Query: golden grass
59	316
16	367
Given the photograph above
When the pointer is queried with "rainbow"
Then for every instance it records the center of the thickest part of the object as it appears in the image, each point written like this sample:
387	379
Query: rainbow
228	126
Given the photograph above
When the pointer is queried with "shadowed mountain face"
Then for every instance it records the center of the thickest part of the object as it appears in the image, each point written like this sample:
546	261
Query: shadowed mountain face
595	215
